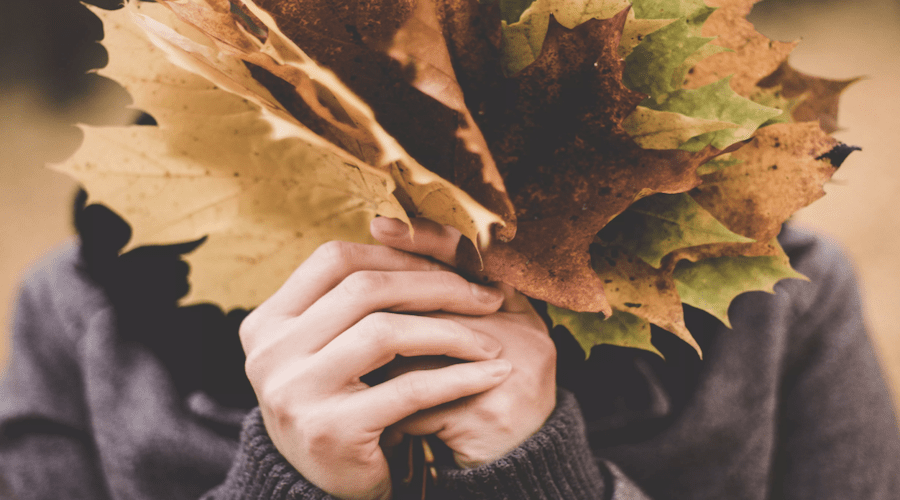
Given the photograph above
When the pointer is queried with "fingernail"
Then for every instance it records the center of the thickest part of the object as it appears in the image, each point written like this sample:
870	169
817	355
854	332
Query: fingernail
390	227
499	368
489	344
486	294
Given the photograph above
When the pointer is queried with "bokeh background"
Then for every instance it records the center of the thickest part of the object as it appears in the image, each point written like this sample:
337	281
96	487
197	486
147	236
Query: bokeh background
45	48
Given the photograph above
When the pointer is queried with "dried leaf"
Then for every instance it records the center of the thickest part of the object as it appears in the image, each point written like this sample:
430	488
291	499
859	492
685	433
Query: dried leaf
214	166
420	47
321	100
818	97
779	173
752	56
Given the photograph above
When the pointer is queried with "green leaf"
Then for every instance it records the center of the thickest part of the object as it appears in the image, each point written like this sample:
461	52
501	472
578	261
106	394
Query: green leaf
715	101
774	98
711	284
590	329
652	129
653	227
657	66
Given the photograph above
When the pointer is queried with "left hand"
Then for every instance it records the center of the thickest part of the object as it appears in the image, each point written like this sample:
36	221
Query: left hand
482	428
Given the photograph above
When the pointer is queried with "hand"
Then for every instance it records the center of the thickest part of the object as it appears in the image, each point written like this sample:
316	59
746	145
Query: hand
482	428
333	321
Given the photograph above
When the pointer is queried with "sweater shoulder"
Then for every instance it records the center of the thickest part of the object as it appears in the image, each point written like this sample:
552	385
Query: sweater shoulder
59	286
831	275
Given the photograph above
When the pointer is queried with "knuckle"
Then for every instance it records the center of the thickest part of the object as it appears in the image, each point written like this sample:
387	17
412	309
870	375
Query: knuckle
362	284
249	328
379	329
336	254
277	403
252	368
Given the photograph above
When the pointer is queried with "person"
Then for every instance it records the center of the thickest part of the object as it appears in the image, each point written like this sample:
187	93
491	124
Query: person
113	391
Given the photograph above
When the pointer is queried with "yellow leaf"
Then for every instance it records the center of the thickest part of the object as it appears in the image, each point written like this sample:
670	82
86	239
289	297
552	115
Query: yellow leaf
347	121
215	166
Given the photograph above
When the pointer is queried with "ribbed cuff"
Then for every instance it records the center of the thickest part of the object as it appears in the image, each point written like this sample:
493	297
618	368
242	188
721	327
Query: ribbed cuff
260	472
555	463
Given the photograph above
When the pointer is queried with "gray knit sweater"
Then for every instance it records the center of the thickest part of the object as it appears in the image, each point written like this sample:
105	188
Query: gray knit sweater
790	404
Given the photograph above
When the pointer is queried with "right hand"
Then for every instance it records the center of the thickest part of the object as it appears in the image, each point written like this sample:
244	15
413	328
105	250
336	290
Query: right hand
334	320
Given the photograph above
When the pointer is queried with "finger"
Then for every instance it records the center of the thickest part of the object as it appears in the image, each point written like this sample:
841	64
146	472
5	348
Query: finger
365	292
329	265
513	301
398	398
380	337
425	422
430	238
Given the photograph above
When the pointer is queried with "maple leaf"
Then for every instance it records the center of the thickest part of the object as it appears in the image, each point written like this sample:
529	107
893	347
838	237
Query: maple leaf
715	101
711	284
214	167
634	286
751	56
816	97
782	170
658	64
590	329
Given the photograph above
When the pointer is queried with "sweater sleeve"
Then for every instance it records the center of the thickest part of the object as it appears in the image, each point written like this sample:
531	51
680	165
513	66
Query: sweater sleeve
46	446
555	463
838	435
260	472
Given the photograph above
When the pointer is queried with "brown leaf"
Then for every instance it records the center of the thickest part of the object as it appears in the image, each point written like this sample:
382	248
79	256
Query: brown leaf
779	174
754	56
569	165
818	96
420	46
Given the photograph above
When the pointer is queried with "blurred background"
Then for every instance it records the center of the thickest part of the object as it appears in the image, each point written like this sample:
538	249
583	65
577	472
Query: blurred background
46	47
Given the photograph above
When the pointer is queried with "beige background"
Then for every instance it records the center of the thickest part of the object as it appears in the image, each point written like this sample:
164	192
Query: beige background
841	40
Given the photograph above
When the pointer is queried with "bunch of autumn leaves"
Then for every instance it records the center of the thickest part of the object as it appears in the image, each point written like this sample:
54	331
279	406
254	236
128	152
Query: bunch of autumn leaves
621	158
